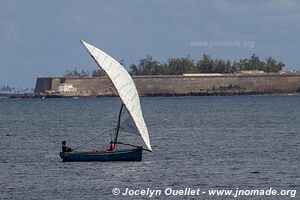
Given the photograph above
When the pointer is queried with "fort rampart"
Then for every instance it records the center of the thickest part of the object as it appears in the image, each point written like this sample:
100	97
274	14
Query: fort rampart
177	85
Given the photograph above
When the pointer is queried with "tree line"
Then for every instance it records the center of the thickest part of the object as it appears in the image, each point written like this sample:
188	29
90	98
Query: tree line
207	64
84	73
178	66
12	90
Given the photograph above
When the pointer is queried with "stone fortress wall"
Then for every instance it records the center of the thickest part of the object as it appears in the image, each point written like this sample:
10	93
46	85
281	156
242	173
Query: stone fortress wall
161	85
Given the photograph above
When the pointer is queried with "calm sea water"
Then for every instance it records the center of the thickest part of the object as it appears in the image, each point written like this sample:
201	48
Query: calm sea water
246	142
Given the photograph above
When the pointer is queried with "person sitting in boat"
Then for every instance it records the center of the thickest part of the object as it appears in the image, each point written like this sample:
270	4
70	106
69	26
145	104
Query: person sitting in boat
111	146
65	148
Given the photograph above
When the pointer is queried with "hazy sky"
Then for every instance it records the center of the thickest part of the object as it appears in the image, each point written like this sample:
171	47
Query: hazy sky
41	38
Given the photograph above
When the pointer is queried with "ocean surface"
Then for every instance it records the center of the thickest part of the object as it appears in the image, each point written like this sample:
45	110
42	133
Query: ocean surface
245	142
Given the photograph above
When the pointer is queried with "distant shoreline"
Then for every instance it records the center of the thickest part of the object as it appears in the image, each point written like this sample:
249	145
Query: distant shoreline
168	86
173	85
19	96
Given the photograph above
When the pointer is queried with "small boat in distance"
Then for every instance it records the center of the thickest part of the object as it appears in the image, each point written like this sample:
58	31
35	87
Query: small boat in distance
127	91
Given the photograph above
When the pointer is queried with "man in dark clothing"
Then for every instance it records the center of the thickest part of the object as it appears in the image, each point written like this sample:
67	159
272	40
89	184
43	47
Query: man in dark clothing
65	148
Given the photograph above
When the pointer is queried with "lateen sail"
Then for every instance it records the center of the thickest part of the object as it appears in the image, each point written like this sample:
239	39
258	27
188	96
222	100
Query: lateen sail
125	87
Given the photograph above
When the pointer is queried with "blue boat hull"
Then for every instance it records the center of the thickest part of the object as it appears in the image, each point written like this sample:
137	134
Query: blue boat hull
117	155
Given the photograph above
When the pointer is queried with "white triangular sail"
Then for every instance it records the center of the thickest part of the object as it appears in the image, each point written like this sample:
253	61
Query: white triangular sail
124	86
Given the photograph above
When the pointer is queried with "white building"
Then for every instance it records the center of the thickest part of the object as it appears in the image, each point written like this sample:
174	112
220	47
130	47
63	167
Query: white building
202	74
66	88
252	72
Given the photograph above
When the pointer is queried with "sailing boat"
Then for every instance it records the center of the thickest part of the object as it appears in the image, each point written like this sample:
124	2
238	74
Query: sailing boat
127	91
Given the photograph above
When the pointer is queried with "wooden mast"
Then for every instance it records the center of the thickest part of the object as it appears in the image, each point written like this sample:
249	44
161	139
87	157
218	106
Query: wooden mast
118	126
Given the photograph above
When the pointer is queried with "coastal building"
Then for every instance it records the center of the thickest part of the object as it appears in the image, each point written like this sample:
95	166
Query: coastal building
66	88
202	74
251	72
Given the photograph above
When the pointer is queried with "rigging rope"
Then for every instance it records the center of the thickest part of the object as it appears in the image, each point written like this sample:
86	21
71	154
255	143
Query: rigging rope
89	141
126	124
